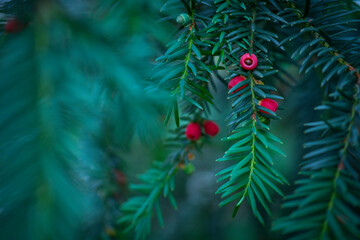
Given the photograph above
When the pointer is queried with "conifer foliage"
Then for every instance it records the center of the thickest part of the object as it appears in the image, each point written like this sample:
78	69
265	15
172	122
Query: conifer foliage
325	205
72	98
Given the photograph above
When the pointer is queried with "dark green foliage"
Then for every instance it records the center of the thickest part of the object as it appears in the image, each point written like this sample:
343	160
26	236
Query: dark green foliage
327	199
252	176
157	182
61	88
75	90
185	68
233	31
40	135
325	205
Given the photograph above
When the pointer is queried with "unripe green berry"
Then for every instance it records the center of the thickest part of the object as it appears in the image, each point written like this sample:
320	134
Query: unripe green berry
189	168
183	19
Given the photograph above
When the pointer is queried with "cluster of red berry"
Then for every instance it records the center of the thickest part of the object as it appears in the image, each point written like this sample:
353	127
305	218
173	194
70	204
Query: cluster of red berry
193	130
249	62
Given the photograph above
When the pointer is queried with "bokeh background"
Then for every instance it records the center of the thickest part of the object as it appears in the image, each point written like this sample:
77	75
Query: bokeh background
75	43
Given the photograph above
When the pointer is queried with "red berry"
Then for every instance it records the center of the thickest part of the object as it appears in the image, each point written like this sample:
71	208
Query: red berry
211	128
248	61
193	131
269	104
235	81
13	26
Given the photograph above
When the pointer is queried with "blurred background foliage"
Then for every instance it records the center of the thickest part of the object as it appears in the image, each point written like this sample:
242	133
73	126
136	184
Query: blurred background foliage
73	94
79	121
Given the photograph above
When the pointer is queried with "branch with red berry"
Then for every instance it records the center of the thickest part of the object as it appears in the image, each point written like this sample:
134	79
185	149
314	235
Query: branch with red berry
251	174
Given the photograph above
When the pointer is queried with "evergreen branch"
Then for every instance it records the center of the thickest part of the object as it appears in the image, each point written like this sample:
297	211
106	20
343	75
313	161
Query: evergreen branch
159	180
325	203
324	41
185	68
321	205
253	140
340	166
189	53
137	211
252	176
